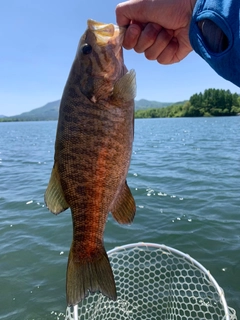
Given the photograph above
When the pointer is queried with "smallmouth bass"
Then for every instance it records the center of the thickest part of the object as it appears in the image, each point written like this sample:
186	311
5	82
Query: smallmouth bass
93	149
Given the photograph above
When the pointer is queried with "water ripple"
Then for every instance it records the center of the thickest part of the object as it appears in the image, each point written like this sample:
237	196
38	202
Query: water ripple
184	176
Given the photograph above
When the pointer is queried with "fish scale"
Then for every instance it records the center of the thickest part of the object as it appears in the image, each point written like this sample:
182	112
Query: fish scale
92	156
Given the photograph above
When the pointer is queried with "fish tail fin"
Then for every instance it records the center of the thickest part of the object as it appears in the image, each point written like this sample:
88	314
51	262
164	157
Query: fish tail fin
92	275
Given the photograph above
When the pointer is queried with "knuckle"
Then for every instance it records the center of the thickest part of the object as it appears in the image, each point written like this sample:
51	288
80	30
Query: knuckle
151	32
149	55
118	8
138	50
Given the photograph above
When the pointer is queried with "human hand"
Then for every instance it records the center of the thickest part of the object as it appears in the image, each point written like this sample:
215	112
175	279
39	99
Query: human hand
159	28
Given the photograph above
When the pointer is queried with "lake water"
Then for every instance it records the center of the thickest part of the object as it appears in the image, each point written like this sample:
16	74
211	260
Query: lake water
184	175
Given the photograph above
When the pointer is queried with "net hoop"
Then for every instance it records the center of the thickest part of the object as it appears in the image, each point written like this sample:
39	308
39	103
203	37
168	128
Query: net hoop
98	307
187	257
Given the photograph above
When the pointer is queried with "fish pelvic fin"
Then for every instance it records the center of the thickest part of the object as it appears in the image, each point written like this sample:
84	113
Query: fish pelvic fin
94	275
124	206
54	197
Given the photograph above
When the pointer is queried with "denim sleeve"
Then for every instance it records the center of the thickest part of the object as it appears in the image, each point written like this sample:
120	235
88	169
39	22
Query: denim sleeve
215	35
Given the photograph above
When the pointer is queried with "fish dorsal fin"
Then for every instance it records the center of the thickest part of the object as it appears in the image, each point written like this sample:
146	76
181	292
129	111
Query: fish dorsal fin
125	87
124	207
54	197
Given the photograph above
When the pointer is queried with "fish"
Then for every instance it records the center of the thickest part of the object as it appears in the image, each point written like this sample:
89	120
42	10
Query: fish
93	150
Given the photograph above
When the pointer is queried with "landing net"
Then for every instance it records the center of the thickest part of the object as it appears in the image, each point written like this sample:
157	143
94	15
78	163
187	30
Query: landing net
156	282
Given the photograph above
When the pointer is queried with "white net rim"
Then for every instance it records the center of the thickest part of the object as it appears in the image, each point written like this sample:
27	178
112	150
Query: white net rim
229	313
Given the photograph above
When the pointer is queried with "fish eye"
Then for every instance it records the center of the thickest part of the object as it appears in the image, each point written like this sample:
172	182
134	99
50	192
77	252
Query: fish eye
86	48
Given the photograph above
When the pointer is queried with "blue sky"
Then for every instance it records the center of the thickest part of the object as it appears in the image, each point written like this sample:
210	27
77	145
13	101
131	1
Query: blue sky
38	41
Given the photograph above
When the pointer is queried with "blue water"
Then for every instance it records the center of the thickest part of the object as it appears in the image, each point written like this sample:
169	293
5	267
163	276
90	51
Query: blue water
184	175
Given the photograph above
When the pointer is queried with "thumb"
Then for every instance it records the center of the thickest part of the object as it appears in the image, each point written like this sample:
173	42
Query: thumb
167	13
135	10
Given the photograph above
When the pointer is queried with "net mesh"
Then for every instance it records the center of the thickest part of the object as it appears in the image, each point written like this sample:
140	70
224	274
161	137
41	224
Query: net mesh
156	282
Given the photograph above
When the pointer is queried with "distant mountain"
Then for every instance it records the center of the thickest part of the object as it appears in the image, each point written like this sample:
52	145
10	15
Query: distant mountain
144	104
50	110
1	116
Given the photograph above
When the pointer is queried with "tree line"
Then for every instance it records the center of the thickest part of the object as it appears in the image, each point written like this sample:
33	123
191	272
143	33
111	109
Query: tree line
212	102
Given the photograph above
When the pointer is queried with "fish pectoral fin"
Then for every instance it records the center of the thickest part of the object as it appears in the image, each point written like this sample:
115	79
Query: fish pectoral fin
125	88
54	197
124	207
92	275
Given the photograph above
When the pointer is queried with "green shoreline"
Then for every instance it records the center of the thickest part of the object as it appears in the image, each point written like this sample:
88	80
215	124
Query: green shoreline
210	103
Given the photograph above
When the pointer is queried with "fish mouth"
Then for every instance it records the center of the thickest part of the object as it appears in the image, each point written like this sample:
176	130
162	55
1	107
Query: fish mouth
106	33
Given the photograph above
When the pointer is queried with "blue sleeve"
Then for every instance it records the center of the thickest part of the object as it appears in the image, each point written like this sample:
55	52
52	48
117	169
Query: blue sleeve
215	35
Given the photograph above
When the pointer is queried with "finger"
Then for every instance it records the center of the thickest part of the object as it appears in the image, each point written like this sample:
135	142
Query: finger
169	54
141	11
121	14
146	11
131	36
161	42
147	37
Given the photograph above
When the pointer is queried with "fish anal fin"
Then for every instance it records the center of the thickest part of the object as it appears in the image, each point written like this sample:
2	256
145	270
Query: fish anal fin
89	275
124	207
54	197
125	87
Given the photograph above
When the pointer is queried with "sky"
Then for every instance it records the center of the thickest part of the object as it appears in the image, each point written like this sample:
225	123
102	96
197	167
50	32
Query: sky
38	41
